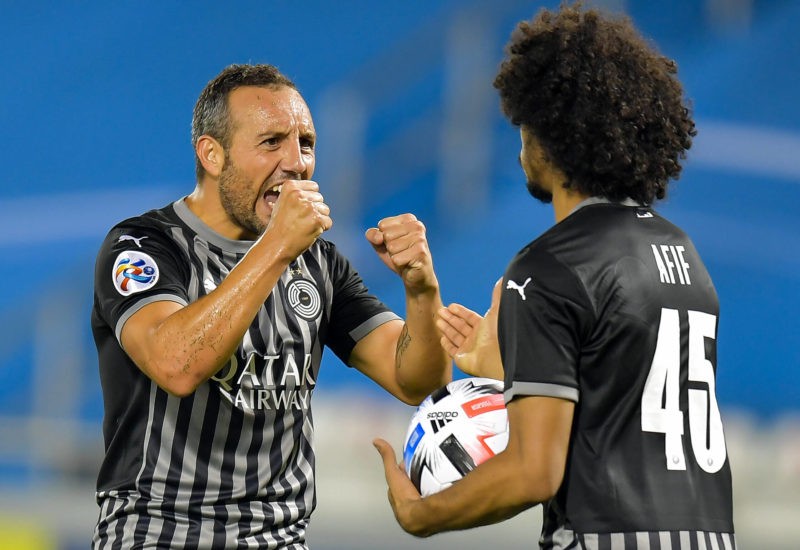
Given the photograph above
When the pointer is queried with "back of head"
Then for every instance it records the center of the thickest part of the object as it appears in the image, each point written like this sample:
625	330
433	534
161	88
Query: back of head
607	108
211	116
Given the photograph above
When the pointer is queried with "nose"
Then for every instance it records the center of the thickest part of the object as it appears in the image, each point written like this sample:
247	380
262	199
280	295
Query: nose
293	159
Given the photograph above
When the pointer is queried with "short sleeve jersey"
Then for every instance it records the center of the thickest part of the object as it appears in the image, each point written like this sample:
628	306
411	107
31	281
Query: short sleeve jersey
233	463
612	308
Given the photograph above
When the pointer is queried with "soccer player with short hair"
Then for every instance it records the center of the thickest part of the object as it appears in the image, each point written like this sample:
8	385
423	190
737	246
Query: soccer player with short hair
606	324
210	317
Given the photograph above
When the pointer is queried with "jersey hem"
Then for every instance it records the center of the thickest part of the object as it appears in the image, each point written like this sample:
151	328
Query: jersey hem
139	305
541	389
371	324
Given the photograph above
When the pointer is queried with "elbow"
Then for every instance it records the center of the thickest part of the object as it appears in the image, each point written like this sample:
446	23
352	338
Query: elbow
541	486
179	384
411	398
538	478
414	395
549	489
416	392
172	380
180	390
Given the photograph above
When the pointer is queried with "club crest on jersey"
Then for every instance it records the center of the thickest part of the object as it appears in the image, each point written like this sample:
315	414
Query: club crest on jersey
304	298
133	272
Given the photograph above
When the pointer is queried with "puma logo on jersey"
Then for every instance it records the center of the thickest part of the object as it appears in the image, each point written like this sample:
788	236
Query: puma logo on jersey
138	240
511	285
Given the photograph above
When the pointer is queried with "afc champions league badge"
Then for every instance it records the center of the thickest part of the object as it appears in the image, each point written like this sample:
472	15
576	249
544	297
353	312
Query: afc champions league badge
304	298
133	272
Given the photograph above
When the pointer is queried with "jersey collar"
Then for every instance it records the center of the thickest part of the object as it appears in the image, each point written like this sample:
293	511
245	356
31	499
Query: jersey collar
206	233
602	200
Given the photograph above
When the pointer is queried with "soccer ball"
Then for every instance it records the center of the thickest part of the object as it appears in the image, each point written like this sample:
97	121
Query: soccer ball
453	430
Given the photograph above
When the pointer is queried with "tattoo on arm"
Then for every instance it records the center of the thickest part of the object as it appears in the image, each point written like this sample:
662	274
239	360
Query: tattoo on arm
402	345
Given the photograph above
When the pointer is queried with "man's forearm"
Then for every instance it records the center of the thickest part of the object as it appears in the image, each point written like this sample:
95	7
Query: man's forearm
495	491
193	343
421	362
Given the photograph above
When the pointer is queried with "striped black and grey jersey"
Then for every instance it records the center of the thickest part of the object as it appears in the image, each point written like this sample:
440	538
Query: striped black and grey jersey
231	465
613	309
564	539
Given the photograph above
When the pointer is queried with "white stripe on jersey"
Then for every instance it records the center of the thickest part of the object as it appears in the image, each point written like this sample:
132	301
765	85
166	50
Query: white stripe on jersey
591	541
566	539
726	540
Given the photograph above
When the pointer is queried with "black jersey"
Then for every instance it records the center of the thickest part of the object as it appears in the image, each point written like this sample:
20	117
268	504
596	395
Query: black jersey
613	309
231	465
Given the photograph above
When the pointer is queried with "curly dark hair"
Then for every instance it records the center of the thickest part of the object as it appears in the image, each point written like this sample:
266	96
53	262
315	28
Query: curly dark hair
606	107
211	110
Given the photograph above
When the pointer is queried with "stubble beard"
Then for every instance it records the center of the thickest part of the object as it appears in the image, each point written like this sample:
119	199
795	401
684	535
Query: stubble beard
538	192
233	193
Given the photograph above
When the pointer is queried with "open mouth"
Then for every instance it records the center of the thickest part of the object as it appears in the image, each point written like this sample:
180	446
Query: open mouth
271	195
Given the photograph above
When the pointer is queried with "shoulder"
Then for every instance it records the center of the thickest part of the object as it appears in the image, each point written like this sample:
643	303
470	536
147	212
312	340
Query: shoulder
328	256
541	273
544	250
149	226
153	221
324	246
146	238
539	262
328	248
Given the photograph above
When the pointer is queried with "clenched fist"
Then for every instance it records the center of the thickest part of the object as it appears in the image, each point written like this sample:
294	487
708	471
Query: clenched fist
401	244
300	215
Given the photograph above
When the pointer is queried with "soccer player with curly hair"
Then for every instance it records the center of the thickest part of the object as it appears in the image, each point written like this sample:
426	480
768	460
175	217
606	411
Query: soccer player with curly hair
603	328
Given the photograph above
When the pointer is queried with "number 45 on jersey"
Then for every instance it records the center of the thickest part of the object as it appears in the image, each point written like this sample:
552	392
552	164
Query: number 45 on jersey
661	410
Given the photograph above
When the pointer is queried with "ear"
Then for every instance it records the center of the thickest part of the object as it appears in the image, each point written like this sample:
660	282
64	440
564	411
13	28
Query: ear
211	155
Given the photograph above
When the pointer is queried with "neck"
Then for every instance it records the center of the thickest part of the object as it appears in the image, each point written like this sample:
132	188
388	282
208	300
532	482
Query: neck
565	201
196	202
205	203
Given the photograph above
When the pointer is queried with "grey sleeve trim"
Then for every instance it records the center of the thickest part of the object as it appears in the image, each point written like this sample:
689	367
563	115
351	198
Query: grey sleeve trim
139	305
371	324
545	390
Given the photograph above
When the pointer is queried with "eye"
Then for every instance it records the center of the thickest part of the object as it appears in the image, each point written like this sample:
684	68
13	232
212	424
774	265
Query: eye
271	141
307	144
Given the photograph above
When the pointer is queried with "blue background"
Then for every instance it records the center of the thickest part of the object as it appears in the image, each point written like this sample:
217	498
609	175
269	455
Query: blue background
96	103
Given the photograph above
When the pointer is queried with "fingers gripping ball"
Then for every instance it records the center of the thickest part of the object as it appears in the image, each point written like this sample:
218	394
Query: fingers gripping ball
454	430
